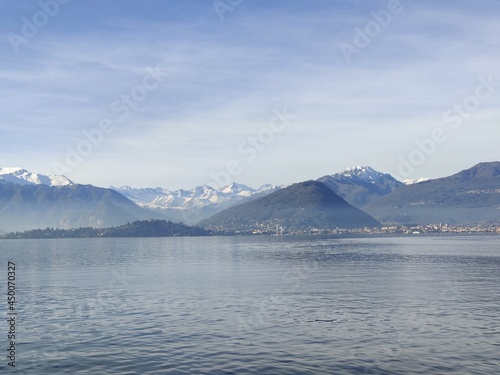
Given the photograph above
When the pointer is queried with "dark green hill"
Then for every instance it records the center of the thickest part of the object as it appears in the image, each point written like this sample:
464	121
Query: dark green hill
145	228
301	206
468	197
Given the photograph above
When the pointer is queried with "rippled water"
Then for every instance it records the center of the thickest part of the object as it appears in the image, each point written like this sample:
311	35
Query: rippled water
256	305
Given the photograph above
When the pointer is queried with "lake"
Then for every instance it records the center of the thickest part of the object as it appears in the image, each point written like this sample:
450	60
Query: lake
255	305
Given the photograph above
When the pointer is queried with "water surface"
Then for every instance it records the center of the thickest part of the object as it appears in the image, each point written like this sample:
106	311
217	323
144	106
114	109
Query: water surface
256	305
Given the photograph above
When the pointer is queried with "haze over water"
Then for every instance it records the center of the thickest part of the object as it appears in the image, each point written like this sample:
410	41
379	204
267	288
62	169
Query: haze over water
257	305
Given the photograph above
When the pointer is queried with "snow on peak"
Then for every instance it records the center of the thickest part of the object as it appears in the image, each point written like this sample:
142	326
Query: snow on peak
410	181
198	197
364	176
20	176
270	187
367	174
236	188
12	170
356	168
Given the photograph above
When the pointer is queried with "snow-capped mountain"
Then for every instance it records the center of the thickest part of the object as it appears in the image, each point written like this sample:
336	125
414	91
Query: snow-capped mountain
192	206
358	185
470	196
141	195
30	201
410	181
23	177
363	175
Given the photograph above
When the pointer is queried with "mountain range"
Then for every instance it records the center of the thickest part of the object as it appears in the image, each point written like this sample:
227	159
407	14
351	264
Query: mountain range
25	207
29	200
301	206
192	206
470	196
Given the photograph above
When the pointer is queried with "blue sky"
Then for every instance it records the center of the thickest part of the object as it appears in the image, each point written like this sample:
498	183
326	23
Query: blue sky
223	74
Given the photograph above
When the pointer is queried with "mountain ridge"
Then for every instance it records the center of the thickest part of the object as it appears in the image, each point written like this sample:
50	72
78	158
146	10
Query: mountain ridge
300	206
32	206
194	205
466	197
21	176
444	199
359	185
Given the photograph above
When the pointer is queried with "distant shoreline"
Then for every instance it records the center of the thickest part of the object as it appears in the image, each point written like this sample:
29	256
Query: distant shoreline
285	236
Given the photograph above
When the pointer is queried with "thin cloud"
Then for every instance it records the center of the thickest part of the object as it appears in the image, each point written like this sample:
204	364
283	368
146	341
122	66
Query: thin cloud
226	78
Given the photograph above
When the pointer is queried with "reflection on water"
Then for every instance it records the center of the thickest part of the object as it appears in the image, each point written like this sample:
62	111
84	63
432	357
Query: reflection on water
257	305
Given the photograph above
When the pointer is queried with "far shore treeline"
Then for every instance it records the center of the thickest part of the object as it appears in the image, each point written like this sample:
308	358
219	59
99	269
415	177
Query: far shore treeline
144	228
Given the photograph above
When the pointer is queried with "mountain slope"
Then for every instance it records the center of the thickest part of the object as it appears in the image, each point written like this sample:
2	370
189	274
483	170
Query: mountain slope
470	196
304	205
24	207
359	185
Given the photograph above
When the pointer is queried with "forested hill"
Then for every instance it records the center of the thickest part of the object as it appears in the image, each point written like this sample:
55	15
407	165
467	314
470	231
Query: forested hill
145	228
